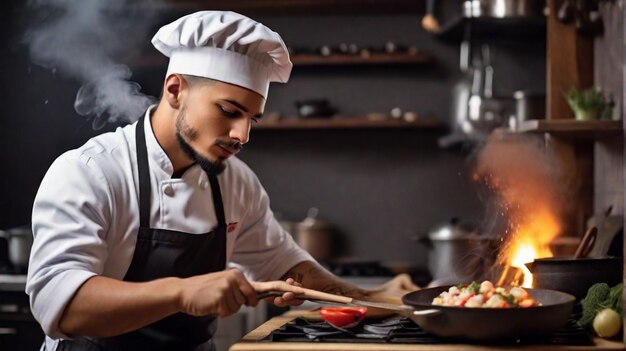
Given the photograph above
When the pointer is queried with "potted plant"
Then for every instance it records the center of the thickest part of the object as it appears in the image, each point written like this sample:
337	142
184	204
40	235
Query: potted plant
588	104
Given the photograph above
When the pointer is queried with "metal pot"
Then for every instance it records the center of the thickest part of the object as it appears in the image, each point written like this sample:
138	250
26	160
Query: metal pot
19	241
575	276
315	108
455	253
315	236
504	8
529	105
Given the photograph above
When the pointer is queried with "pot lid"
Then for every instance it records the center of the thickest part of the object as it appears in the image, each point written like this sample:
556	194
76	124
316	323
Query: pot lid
452	230
312	222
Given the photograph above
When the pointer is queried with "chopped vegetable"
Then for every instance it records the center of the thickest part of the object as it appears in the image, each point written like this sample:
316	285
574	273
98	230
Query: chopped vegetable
484	295
607	323
599	297
343	317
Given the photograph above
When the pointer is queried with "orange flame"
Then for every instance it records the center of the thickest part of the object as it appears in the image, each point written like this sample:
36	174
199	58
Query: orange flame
530	240
519	172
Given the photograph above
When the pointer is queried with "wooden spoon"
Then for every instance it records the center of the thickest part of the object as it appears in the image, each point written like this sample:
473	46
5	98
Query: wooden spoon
587	243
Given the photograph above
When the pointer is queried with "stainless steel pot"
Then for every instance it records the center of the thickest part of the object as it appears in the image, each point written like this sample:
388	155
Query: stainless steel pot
19	240
455	253
315	236
529	105
504	8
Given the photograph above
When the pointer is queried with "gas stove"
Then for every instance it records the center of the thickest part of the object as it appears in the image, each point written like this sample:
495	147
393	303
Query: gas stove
402	330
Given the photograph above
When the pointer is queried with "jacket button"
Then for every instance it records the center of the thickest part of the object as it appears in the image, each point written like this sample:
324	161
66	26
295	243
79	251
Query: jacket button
169	191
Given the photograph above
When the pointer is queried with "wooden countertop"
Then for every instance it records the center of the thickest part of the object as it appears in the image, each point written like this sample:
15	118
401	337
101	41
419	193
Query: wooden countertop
252	341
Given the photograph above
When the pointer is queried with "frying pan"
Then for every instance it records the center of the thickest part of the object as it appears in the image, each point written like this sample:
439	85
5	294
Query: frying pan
482	324
491	323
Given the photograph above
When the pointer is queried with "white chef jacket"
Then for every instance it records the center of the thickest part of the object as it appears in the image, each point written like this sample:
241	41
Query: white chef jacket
86	217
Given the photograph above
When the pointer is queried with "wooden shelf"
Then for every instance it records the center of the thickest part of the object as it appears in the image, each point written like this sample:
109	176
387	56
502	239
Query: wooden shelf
299	7
519	28
373	59
348	123
572	128
308	60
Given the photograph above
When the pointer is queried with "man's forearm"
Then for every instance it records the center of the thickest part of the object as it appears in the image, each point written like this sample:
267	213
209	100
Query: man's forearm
313	276
106	307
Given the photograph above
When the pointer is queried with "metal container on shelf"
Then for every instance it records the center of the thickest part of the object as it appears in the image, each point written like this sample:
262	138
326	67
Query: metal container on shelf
504	8
19	241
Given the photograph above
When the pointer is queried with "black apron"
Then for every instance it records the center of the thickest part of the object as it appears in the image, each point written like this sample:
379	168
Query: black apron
163	253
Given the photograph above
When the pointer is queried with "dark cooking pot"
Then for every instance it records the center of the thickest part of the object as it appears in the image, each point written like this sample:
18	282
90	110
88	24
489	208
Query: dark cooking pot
315	108
575	276
489	324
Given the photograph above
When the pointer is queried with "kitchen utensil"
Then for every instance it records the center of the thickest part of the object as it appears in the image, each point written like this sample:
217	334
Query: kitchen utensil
315	236
529	105
566	12
429	21
505	8
610	234
575	276
322	297
491	323
470	323
455	252
19	241
315	108
586	244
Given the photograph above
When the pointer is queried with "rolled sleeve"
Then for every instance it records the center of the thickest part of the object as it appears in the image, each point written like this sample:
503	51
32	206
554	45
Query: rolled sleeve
69	221
264	250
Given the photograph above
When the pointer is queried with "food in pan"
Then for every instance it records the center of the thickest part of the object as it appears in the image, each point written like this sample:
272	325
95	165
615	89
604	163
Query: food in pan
484	295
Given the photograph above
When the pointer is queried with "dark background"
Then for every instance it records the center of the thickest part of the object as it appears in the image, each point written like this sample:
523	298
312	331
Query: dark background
380	187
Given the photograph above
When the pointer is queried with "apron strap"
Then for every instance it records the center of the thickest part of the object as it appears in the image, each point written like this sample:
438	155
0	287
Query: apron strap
144	174
217	200
144	181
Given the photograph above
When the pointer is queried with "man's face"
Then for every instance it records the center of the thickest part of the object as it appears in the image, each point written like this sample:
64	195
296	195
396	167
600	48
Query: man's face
214	122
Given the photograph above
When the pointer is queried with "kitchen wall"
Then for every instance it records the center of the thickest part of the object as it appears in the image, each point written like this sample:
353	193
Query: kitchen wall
380	187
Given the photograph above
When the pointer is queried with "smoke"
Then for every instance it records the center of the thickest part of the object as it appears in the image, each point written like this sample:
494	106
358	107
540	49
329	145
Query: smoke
530	183
84	40
526	177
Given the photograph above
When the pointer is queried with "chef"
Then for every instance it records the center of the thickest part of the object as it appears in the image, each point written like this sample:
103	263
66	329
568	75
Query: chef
145	235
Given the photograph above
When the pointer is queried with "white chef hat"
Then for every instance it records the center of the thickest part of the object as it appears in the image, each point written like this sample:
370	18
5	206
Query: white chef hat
225	46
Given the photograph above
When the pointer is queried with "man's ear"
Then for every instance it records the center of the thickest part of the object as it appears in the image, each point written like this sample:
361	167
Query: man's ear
173	89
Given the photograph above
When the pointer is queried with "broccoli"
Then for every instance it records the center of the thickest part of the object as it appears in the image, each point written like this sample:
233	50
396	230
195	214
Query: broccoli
614	300
596	296
601	296
474	287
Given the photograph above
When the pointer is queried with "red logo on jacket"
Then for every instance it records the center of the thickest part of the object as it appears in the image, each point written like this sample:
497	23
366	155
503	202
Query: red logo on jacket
231	227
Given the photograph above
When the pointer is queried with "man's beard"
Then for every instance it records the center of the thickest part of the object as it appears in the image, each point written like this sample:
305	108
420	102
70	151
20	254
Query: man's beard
210	167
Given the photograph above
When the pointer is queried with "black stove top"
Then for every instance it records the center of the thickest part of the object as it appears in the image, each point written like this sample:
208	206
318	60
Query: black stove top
403	330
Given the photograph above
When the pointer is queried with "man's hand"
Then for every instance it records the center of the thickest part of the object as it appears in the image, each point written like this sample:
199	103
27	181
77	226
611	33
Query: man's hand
220	293
289	286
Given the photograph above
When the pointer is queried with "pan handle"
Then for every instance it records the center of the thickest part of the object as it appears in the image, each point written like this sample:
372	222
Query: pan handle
427	313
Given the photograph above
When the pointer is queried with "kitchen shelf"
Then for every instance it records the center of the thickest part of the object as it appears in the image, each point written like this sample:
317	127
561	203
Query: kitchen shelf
348	123
454	28
310	60
570	128
372	59
298	7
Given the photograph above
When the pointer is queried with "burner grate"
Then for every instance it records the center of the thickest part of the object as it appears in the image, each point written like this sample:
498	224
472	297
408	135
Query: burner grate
403	330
